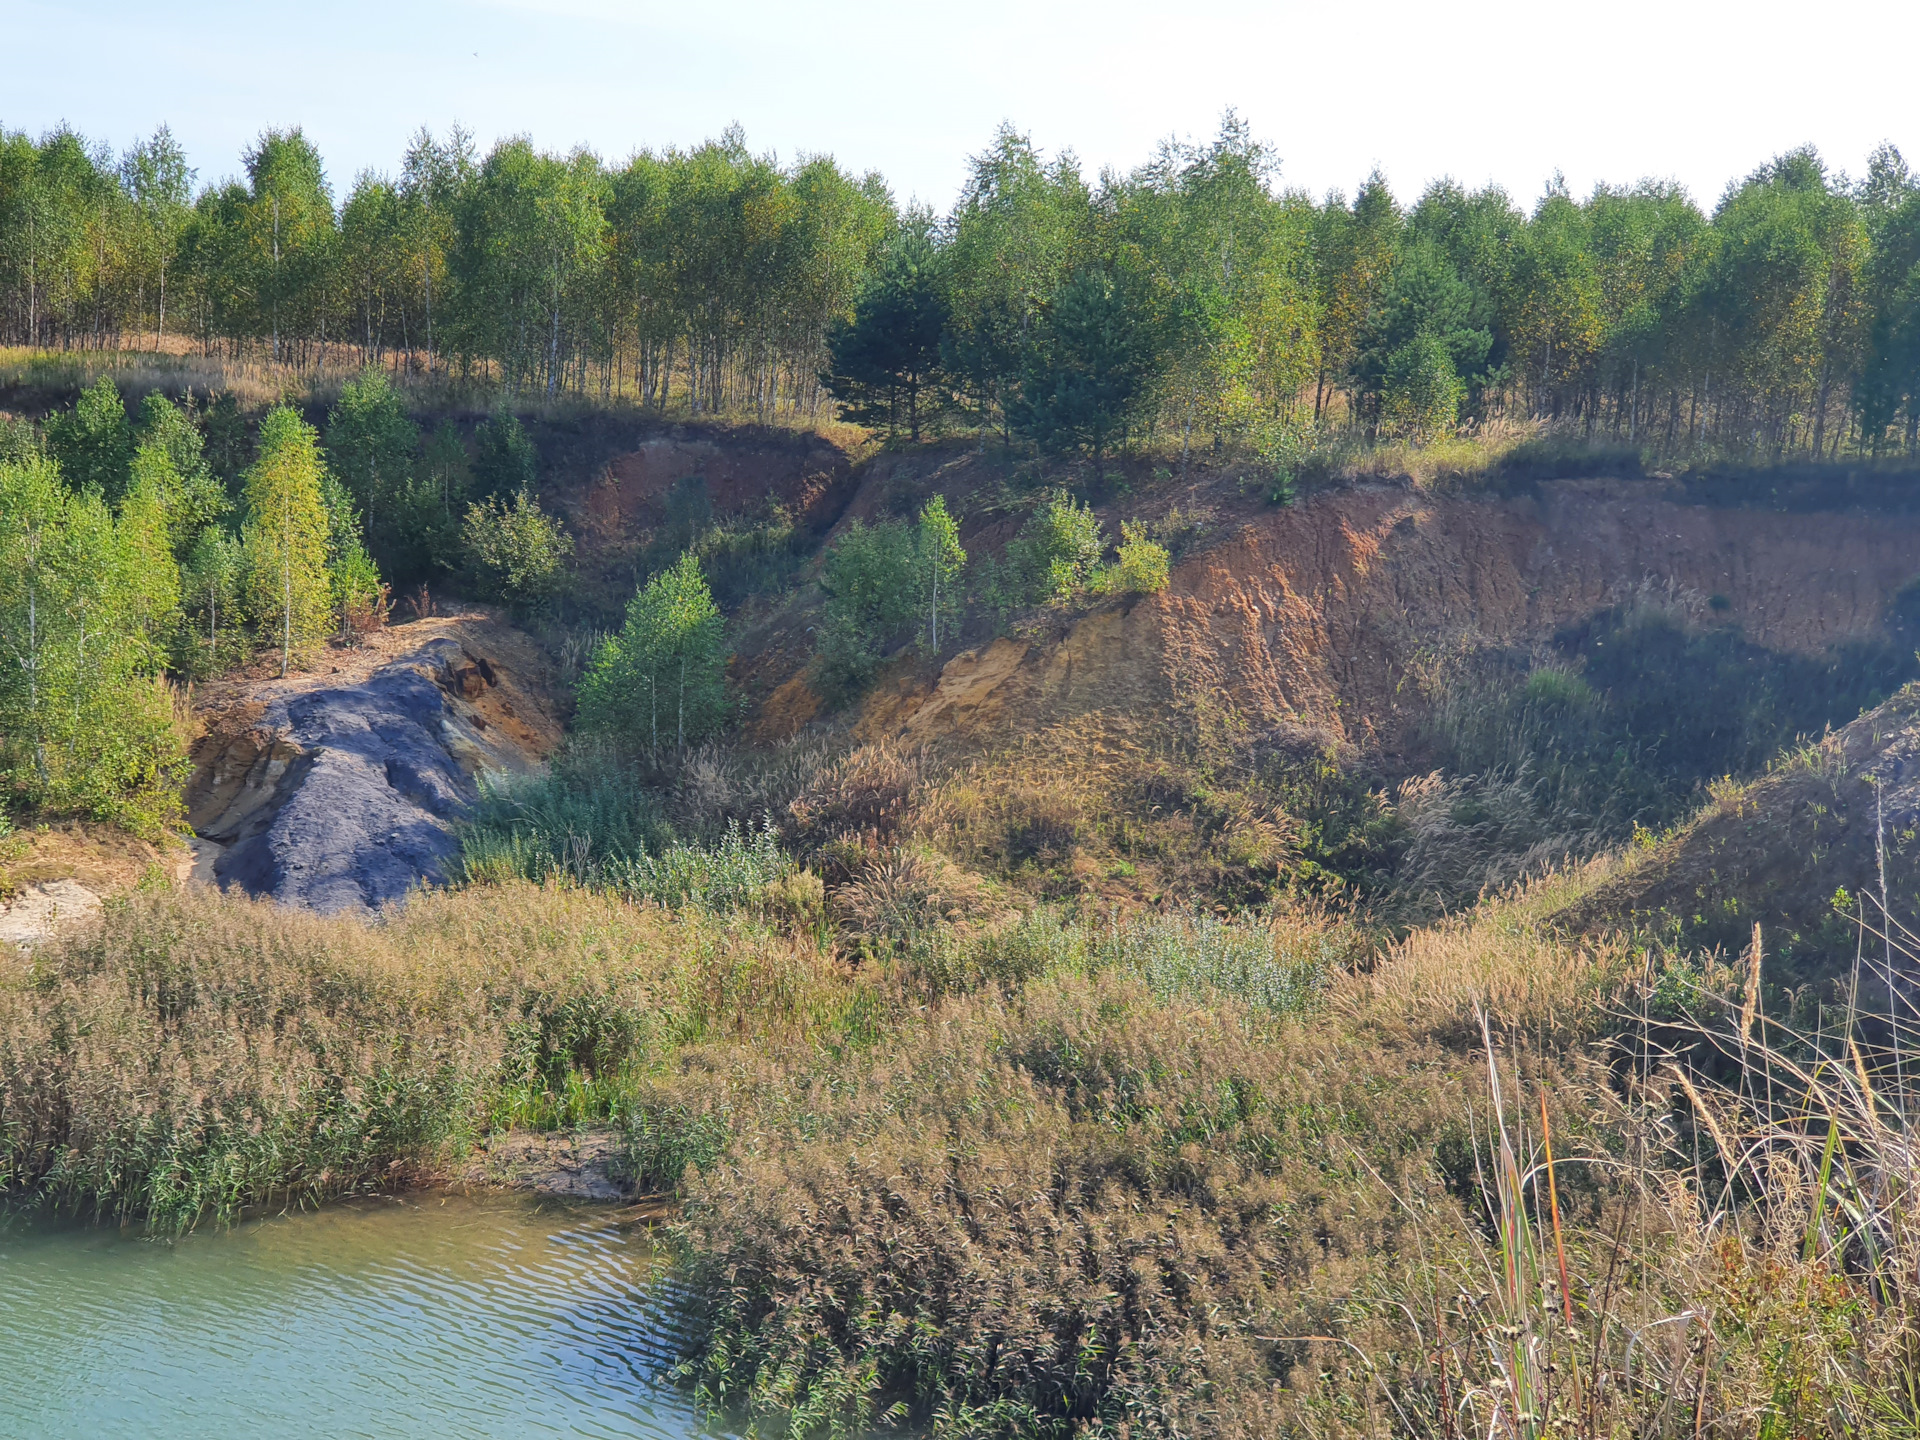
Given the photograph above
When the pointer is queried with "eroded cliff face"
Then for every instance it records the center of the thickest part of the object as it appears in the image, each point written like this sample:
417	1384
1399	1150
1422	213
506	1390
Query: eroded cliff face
1325	614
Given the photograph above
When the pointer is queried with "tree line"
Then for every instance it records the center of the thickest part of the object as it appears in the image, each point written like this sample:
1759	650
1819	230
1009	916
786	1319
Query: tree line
1193	299
706	276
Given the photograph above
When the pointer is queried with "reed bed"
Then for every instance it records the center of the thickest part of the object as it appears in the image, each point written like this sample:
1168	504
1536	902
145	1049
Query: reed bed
1162	1175
198	1054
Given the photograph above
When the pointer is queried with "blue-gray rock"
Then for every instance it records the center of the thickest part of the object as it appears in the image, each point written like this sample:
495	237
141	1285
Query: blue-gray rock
343	797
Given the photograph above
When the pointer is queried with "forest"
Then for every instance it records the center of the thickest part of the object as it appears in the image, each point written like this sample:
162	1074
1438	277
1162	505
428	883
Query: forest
1195	298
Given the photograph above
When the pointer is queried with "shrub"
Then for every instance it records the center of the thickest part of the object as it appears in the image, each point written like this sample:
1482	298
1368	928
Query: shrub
373	448
516	552
1054	554
733	874
1141	568
869	580
564	821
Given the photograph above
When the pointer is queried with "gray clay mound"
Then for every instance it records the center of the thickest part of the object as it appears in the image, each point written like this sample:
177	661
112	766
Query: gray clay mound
343	797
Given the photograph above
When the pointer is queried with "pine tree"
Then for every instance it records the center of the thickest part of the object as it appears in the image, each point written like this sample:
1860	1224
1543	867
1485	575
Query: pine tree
285	536
889	353
1088	375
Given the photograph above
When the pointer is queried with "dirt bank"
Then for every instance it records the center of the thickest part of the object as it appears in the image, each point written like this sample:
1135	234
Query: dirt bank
1327	613
338	790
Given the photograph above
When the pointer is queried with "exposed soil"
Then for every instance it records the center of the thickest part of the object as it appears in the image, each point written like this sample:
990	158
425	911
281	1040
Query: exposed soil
566	1164
1330	613
54	877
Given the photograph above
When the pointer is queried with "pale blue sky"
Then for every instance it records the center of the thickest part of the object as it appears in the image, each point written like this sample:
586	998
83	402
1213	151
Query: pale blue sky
1496	91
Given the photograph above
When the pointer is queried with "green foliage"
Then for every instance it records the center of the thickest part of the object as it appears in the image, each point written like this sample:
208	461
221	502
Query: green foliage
230	436
93	443
1419	346
516	553
20	441
869	578
214	635
938	561
585	825
1141	568
1421	390
357	593
373	448
733	873
168	452
664	674
505	463
286	536
1086	377
1190	296
145	524
887	356
86	722
563	821
1054	555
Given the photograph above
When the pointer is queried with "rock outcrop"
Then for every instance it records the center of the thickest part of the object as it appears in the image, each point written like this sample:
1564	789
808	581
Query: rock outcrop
339	792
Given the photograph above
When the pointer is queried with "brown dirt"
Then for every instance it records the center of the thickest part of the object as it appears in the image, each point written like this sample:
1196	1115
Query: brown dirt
567	1165
1326	614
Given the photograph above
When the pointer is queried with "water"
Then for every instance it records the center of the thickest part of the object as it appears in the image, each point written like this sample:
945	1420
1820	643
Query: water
423	1317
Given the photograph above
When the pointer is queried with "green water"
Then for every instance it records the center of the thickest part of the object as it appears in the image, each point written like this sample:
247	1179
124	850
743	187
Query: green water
424	1317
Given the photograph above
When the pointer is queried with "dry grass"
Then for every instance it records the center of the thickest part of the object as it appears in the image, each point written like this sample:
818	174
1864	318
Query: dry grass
202	1053
33	381
1159	1176
1076	1206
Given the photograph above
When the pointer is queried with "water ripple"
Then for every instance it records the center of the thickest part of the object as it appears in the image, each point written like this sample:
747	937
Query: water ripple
478	1318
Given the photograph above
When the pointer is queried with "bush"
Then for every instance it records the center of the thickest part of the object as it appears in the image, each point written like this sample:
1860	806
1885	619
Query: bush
1141	568
733	874
869	580
516	553
1053	556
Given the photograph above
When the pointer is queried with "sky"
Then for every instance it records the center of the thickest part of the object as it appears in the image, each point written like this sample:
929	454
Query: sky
1502	92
